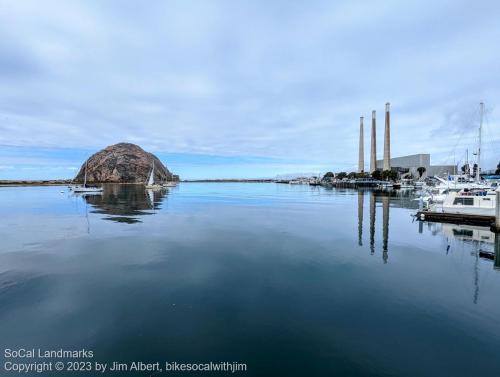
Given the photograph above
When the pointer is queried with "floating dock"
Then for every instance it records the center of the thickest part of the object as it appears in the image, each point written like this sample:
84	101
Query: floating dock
456	218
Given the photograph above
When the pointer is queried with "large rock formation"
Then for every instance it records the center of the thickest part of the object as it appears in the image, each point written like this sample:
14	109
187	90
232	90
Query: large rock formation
123	163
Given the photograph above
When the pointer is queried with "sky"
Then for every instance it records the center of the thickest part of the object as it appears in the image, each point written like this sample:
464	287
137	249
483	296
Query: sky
244	89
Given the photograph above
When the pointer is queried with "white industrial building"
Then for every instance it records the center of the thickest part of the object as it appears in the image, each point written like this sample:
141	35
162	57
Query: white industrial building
412	162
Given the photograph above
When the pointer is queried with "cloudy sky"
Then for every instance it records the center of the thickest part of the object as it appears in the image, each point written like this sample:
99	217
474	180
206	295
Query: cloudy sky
244	88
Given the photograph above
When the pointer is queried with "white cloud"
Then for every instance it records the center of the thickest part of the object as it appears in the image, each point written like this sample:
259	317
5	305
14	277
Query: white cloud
271	79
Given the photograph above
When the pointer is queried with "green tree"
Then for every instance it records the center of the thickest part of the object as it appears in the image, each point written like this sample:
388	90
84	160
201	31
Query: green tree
498	169
328	175
389	175
342	175
377	175
421	170
352	175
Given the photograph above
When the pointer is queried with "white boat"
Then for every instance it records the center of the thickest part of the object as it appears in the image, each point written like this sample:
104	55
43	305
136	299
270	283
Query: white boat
151	181
170	184
461	182
407	184
85	188
386	185
476	202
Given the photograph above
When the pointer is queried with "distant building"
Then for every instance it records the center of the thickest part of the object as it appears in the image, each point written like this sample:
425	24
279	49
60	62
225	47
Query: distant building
410	164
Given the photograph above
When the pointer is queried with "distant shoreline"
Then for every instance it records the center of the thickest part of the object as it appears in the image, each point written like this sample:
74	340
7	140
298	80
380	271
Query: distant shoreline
60	182
229	180
41	182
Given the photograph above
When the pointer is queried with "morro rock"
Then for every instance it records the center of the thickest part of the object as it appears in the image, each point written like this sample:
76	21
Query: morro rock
123	163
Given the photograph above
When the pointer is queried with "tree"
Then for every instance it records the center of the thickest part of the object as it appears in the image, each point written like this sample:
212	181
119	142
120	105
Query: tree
377	175
389	175
421	170
352	175
342	175
498	169
328	175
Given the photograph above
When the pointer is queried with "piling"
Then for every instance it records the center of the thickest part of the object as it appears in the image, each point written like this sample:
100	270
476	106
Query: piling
496	226
497	252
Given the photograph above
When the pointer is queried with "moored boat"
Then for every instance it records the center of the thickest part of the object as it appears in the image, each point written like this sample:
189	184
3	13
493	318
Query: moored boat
470	202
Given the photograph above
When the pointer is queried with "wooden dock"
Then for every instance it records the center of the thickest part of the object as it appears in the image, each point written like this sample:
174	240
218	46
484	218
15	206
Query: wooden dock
456	218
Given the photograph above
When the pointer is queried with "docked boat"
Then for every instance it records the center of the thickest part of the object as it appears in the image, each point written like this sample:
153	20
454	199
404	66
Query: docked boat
86	188
471	202
407	184
386	185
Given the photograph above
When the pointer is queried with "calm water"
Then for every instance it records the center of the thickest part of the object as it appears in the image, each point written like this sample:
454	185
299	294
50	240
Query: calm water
292	280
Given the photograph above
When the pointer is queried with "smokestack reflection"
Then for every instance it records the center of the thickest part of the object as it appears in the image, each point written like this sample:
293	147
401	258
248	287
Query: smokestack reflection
361	197
372	223
385	227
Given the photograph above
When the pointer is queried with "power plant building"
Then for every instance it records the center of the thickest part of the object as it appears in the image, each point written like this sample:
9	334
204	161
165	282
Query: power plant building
411	163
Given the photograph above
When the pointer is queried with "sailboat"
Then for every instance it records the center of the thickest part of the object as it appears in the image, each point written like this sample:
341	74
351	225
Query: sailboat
151	181
85	188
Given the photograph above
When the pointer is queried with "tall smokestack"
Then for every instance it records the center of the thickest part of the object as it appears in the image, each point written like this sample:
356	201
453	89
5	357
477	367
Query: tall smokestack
387	138
373	152
361	161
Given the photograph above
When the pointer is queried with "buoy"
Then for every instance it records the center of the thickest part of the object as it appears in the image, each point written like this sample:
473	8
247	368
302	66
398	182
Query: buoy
422	216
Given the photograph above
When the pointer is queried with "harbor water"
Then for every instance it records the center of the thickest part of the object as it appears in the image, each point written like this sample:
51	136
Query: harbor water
291	280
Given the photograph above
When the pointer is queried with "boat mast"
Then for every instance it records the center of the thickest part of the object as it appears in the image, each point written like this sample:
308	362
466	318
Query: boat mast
481	111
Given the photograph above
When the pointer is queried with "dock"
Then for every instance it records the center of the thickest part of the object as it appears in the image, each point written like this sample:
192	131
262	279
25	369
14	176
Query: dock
456	218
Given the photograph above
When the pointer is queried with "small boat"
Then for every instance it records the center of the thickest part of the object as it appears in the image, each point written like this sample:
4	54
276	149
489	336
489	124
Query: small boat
170	184
85	188
151	181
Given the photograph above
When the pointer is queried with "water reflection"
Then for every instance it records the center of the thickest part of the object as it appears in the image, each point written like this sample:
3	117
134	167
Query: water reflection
126	203
483	244
385	198
360	217
385	227
372	223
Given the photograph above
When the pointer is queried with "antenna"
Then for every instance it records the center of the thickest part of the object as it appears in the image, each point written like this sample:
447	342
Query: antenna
481	112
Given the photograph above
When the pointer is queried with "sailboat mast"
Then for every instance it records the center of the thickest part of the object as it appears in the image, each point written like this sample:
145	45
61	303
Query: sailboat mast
481	112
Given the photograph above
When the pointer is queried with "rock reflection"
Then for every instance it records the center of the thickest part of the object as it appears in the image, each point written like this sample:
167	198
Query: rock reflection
126	203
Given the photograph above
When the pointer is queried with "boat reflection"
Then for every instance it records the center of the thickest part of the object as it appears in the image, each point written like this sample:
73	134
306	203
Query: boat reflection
126	203
483	245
